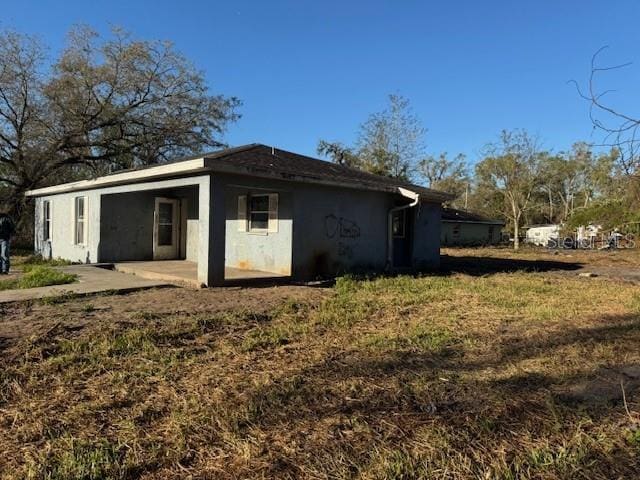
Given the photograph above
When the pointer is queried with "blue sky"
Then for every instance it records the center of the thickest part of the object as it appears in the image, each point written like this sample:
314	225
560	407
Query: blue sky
310	70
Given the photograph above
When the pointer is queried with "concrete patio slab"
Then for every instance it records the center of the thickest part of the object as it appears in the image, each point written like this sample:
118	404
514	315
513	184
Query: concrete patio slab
186	273
172	271
91	279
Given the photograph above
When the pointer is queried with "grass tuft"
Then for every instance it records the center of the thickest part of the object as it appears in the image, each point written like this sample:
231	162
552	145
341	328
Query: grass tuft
78	459
38	276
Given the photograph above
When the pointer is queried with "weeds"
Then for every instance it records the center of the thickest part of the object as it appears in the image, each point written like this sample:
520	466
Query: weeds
31	261
80	460
38	276
453	377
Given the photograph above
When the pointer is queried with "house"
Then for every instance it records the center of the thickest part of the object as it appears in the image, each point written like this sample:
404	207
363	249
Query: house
543	235
463	228
253	209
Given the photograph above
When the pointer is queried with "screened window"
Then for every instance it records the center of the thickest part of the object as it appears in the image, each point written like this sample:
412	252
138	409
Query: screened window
46	220
80	217
258	213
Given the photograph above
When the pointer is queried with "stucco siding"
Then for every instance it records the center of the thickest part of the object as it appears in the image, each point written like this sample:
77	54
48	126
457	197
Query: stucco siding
62	243
321	230
426	245
339	230
461	234
266	251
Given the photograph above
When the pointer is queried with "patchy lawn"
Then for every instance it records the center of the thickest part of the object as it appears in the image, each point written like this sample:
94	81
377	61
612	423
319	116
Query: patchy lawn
497	374
34	276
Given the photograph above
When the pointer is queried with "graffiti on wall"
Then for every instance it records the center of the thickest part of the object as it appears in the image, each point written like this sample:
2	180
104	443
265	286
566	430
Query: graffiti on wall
345	230
340	227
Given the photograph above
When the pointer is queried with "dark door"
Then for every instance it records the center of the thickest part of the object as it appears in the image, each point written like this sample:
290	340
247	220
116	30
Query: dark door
402	231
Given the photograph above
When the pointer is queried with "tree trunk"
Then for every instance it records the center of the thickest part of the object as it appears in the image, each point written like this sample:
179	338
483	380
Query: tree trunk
516	233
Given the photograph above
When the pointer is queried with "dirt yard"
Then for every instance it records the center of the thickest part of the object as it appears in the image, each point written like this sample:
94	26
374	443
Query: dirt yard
502	366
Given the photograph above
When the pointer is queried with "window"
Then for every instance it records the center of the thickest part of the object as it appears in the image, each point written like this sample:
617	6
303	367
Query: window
398	224
165	224
46	220
258	213
80	220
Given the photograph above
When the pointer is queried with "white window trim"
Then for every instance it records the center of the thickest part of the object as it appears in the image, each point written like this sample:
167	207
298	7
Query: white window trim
49	230
245	213
85	221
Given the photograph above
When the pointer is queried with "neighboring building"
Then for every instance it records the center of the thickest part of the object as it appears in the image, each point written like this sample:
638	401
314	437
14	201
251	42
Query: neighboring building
543	235
587	235
462	228
252	208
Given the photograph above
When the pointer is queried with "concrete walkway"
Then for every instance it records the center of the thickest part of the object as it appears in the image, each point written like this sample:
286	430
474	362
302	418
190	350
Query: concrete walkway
91	280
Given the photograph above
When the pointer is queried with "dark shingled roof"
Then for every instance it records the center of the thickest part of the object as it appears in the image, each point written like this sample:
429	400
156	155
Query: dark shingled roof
262	160
455	215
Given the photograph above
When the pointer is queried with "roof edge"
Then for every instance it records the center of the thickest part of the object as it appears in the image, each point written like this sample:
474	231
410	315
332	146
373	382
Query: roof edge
157	171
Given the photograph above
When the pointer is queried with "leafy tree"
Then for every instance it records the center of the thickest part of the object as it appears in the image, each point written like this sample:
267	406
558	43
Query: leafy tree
104	105
448	175
575	179
511	173
389	142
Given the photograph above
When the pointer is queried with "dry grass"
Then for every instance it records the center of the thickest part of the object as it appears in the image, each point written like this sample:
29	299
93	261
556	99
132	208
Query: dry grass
508	375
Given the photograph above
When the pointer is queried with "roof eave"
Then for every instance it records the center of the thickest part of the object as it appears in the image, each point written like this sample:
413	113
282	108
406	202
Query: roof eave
215	166
134	176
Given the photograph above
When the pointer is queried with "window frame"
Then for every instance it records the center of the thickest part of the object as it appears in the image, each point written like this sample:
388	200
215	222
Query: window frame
246	213
251	212
402	215
46	221
77	220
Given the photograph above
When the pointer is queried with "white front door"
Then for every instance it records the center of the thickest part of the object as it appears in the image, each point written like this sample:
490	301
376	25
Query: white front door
166	221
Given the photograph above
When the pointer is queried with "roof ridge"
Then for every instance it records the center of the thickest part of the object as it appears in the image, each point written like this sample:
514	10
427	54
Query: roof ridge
363	173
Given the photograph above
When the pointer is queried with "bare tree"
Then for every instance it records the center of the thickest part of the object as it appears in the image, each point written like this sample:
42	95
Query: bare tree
104	105
619	129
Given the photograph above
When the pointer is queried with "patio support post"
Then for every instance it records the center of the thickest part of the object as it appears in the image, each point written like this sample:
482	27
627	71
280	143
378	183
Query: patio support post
211	247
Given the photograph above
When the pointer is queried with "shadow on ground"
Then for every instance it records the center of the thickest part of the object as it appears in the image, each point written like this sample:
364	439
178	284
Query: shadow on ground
411	388
477	266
